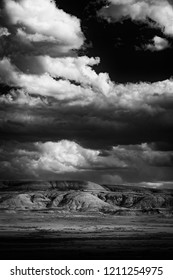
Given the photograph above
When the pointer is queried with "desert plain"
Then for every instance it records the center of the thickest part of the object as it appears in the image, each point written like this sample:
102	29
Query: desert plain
84	220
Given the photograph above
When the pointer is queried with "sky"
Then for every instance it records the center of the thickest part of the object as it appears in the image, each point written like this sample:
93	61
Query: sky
86	91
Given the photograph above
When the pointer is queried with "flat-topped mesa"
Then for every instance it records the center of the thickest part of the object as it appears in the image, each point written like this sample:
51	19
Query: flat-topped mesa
63	185
46	185
77	185
84	196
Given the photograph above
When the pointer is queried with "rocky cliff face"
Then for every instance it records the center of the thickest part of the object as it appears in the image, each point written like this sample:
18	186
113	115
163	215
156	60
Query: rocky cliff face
85	197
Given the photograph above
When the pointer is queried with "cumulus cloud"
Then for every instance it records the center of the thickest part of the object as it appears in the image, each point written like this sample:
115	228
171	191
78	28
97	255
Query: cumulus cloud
68	99
78	69
39	26
152	97
69	157
70	79
158	44
36	57
43	85
21	97
64	156
57	157
159	11
4	32
92	88
61	89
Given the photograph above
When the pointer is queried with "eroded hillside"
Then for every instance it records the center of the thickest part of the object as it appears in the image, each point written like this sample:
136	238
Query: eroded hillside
81	196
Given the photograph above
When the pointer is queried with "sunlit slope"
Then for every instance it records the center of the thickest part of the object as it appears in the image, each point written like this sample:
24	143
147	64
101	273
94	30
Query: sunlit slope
81	196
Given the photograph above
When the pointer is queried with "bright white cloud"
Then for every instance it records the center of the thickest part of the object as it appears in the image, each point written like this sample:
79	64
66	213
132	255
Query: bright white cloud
21	97
40	26
64	156
43	85
68	156
91	85
4	31
78	69
151	97
72	79
159	11
158	44
58	157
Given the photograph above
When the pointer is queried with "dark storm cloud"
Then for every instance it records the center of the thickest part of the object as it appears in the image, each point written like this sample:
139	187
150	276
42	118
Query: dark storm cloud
92	126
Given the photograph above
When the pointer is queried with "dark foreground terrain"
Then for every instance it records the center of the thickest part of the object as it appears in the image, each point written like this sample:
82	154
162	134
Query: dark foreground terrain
77	220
